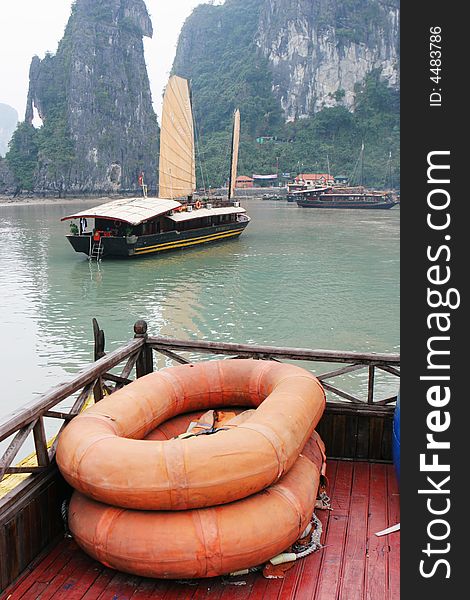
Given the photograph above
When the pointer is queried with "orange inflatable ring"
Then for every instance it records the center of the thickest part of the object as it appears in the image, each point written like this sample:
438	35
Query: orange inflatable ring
198	204
102	452
198	543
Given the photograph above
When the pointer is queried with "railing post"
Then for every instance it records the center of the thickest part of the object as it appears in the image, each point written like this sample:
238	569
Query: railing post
370	385
144	364
40	443
99	342
98	336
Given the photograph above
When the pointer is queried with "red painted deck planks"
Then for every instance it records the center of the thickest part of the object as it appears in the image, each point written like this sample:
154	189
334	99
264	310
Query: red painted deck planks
33	573
41	578
66	577
100	584
120	587
330	571
151	589
393	538
239	592
376	580
290	581
364	498
311	565
81	581
354	559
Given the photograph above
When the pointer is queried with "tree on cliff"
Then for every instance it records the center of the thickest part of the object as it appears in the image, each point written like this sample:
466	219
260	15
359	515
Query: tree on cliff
22	157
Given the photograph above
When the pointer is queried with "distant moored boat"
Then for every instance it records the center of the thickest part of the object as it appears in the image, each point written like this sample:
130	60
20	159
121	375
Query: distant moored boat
329	197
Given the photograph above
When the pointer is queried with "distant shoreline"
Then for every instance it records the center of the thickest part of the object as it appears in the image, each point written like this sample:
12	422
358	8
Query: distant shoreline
33	201
241	194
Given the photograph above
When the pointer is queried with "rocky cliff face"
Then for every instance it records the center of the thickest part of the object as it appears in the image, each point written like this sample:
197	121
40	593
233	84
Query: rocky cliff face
318	50
7	181
93	96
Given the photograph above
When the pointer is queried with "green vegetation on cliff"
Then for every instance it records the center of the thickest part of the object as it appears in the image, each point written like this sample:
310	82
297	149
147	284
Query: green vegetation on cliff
332	135
22	156
217	52
353	20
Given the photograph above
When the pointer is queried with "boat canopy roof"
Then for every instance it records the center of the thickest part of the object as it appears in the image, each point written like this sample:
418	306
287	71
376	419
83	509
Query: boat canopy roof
312	189
129	210
199	213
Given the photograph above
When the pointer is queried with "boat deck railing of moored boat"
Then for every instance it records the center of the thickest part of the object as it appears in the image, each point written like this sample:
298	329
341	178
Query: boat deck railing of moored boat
32	492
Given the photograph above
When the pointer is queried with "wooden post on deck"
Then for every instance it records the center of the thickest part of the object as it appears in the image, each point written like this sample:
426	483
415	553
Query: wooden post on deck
144	364
99	339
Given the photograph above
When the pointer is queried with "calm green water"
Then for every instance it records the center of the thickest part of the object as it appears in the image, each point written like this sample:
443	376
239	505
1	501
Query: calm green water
296	277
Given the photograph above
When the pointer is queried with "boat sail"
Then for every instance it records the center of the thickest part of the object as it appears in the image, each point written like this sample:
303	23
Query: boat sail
177	167
234	159
141	226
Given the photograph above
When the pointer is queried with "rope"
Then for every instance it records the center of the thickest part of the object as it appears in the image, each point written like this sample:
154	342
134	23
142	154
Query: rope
315	544
299	550
64	511
323	501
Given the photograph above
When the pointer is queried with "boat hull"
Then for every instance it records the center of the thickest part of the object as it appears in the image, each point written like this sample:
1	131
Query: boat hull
119	247
345	204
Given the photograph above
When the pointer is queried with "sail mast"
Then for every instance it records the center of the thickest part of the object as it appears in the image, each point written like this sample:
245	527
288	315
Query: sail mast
177	168
362	165
234	158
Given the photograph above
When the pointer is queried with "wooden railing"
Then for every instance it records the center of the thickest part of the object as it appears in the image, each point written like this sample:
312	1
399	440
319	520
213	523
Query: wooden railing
97	379
94	379
356	361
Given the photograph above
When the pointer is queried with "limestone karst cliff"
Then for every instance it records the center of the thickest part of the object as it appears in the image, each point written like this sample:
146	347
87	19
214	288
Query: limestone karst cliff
315	78
319	50
93	96
316	51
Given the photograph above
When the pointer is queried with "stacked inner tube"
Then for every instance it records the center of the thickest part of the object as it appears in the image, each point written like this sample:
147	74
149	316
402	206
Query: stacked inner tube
195	505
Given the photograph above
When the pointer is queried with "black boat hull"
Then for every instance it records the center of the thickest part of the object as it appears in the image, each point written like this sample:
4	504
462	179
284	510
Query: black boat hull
333	204
120	247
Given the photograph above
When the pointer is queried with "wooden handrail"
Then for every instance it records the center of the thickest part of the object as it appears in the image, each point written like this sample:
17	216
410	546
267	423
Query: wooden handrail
139	354
226	348
35	409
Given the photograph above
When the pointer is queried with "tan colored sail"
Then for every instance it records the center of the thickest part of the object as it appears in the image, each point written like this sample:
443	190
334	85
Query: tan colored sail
177	168
235	145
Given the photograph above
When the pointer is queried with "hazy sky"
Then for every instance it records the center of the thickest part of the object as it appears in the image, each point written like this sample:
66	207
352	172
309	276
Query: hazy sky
29	27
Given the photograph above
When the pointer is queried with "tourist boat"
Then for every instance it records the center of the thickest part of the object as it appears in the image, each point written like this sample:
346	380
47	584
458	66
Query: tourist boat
337	196
305	182
176	219
333	197
175	536
294	186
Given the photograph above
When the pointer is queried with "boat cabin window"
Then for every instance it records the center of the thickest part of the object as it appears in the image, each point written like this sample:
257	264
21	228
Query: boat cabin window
108	228
151	227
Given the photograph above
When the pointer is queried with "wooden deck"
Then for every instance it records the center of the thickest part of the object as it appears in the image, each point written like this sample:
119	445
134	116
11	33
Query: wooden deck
353	565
